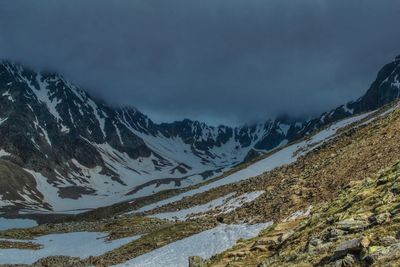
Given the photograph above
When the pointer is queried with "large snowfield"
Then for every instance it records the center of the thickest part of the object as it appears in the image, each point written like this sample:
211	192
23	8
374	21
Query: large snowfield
6	224
205	244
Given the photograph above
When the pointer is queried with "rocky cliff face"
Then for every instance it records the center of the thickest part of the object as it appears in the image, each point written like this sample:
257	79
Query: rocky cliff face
70	146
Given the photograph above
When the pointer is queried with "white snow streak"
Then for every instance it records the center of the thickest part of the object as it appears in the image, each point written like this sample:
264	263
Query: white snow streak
223	204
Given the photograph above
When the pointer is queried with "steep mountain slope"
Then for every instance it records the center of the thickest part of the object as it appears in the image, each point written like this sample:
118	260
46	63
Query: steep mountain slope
70	151
72	146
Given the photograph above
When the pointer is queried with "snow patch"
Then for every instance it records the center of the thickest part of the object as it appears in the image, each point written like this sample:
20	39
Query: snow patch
8	95
4	153
97	112
2	120
348	110
284	128
396	82
43	95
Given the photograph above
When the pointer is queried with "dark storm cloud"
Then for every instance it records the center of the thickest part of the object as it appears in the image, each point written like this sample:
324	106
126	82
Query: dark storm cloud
216	60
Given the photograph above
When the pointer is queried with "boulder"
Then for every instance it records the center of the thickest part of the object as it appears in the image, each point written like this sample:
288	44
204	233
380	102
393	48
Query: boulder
333	234
315	246
348	261
354	246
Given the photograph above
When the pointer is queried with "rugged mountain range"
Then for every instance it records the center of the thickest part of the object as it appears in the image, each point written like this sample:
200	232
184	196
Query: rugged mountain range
60	146
325	200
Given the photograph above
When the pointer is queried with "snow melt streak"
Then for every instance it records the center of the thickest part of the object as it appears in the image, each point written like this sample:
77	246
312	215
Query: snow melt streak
205	244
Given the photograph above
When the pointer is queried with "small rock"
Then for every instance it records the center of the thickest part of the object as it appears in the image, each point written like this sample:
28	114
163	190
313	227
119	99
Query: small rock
395	189
197	261
285	236
220	219
333	234
315	242
316	245
381	218
330	220
270	243
388	240
381	181
259	248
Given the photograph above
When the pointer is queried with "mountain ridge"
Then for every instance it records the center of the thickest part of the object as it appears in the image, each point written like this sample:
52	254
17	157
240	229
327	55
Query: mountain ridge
80	146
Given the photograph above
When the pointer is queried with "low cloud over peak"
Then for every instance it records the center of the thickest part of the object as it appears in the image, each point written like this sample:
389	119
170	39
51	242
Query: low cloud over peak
226	61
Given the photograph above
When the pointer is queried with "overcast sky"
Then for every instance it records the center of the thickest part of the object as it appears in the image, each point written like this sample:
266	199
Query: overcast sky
228	61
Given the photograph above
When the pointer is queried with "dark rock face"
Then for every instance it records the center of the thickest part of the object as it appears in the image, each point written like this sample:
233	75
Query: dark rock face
384	90
49	126
13	180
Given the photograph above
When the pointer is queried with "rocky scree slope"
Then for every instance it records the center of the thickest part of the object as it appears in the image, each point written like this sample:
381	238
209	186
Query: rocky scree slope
359	228
59	145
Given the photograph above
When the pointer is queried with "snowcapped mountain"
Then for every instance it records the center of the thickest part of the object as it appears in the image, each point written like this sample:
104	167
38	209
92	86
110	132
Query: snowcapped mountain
61	149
